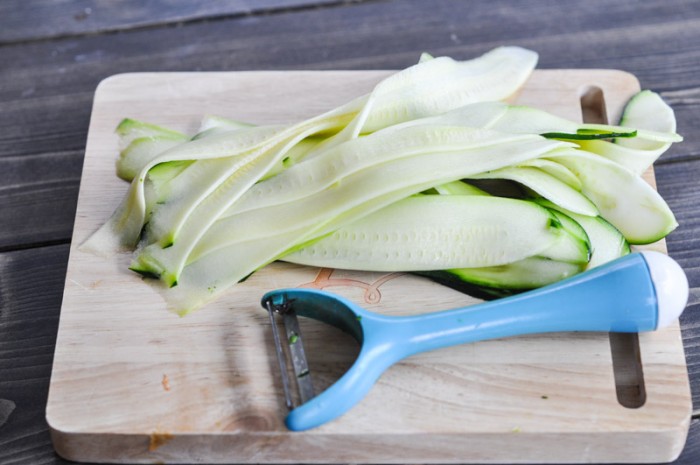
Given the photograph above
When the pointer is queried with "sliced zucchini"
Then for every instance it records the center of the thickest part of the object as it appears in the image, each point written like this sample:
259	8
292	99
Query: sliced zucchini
425	56
459	188
546	185
141	142
527	120
556	170
575	248
130	129
347	201
442	231
408	94
212	124
607	243
622	197
342	200
141	151
647	110
523	275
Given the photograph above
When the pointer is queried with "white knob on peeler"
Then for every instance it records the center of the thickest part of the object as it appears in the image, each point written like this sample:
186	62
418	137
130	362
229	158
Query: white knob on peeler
671	285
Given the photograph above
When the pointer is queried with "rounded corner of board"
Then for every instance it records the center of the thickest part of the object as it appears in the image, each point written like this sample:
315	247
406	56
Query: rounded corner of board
61	439
55	423
630	78
624	79
115	80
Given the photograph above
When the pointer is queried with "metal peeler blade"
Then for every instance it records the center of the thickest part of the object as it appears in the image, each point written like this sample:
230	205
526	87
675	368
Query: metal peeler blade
295	350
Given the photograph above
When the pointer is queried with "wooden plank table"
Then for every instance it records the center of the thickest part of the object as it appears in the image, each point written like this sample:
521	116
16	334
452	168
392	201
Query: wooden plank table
53	54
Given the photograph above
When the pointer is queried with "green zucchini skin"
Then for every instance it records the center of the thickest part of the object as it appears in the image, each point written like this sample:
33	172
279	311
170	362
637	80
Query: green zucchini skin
607	243
500	281
587	136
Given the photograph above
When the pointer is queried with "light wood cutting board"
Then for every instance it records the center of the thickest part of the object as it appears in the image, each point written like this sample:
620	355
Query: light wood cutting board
132	382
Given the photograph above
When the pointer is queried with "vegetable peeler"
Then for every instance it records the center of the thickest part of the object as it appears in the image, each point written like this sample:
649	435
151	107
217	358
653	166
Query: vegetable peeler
638	292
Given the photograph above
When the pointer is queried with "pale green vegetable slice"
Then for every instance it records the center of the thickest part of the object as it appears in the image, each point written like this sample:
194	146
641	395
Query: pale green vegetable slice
141	151
557	170
622	197
607	243
140	143
218	183
527	120
435	232
565	249
647	111
546	185
205	280
438	85
161	177
349	200
122	230
318	173
450	84
425	56
404	95
551	265
130	129
635	160
497	281
295	155
458	188
212	124
173	251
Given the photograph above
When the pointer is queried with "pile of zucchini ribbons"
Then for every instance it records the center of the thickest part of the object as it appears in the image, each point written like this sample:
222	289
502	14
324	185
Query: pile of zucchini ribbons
429	173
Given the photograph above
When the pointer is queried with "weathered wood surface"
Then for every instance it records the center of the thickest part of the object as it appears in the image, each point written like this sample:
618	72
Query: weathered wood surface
31	285
50	19
46	89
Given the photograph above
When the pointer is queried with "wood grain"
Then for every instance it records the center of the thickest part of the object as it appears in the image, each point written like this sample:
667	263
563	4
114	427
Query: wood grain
58	78
678	184
31	287
108	400
50	19
38	197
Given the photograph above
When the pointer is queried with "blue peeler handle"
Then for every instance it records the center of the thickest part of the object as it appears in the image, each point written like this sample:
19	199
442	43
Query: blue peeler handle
639	292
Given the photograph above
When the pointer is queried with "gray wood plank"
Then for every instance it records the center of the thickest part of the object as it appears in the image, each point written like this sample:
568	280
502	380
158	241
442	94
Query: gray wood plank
38	195
691	453
45	19
677	182
31	288
56	79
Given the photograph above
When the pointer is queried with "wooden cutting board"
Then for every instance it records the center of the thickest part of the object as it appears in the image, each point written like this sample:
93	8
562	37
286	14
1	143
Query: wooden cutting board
132	382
